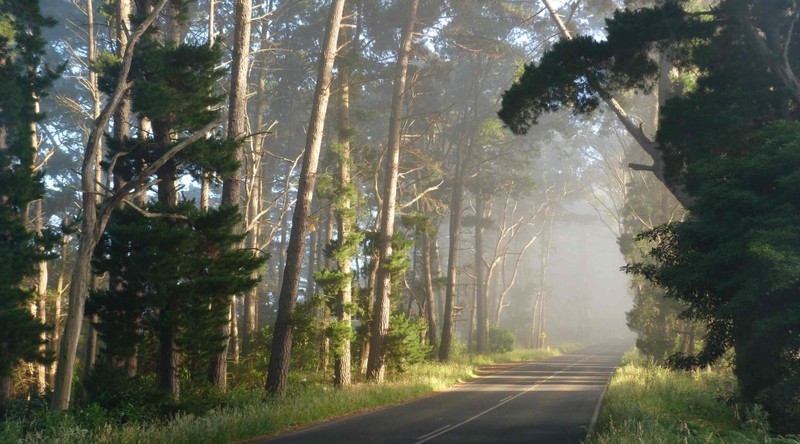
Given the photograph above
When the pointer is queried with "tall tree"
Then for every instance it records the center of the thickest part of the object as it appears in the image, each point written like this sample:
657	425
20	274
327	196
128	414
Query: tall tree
345	215
237	127
278	373
94	218
382	310
732	260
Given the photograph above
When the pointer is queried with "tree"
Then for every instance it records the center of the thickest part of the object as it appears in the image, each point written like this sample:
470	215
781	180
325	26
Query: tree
278	374
231	187
732	260
382	310
25	80
94	218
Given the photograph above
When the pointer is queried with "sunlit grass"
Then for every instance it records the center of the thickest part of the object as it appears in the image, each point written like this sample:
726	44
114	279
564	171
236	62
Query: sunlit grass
311	399
646	403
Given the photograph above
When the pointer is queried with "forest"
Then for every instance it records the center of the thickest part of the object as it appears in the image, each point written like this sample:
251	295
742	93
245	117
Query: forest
210	206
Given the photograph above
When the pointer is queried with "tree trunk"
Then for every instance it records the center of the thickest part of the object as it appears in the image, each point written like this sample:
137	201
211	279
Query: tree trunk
233	342
311	266
91	345
40	306
325	313
380	315
250	305
168	361
168	367
6	388
481	291
55	342
539	311
341	366
259	189
278	372
430	293
237	105
205	179
456	206
237	127
373	276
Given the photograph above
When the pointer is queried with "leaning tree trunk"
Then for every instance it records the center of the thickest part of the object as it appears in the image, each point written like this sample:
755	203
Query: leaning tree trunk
91	339
380	315
278	371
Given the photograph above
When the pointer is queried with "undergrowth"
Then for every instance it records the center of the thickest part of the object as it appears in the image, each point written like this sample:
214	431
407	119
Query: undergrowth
647	403
245	413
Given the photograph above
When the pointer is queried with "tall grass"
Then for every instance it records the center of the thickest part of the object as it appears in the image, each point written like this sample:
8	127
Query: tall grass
646	403
252	414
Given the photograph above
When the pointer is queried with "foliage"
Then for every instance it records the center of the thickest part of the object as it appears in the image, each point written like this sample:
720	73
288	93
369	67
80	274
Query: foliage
24	81
649	403
732	142
501	340
404	346
735	262
171	273
244	414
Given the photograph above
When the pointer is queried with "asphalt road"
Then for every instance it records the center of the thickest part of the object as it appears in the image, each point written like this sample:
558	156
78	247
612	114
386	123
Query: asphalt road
550	401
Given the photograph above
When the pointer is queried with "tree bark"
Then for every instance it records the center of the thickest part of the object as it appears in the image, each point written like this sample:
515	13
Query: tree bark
430	292
56	334
237	128
341	365
278	371
380	315
373	276
237	105
481	293
6	388
456	208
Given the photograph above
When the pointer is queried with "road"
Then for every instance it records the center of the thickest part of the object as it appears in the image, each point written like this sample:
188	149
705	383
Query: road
549	401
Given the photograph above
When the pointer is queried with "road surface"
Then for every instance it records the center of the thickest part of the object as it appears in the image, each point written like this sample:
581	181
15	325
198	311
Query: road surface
550	401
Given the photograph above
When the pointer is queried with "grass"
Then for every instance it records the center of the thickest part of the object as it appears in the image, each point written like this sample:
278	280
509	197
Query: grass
646	403
252	415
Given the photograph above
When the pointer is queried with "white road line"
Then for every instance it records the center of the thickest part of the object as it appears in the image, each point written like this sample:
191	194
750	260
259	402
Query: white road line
441	432
506	398
433	432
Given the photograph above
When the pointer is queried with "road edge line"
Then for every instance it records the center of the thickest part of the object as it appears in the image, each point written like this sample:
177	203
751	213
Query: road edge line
596	414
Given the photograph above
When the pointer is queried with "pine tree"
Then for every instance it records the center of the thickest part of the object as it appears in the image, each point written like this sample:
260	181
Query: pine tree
24	81
183	265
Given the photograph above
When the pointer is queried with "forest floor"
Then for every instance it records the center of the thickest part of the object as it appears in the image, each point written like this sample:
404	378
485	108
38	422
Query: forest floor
247	413
647	403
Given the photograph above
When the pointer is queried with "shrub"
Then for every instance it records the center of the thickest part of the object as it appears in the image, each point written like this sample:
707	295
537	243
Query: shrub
404	345
501	340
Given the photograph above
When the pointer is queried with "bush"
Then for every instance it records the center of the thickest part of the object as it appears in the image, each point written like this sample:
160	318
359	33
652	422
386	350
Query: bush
404	346
126	399
501	340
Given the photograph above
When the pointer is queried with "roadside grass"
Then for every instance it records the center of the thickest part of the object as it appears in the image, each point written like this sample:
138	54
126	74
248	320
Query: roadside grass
248	413
646	403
